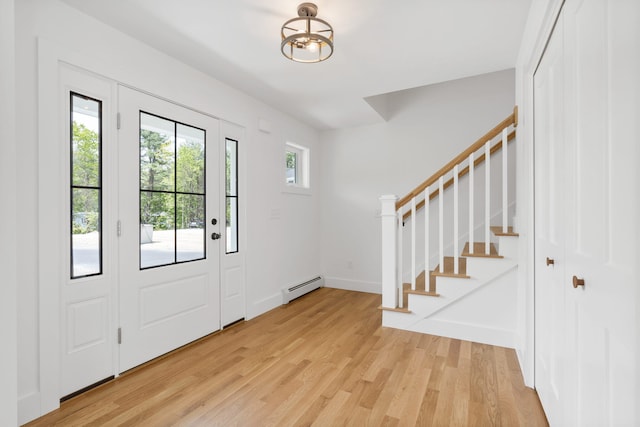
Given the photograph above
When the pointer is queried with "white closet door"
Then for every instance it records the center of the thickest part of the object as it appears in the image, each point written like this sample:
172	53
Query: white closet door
550	220
587	357
602	193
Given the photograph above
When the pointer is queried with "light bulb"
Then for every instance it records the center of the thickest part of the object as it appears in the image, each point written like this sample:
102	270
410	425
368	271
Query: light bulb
312	46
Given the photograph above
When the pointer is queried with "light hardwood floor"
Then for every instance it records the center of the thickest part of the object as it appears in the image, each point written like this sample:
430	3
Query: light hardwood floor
322	360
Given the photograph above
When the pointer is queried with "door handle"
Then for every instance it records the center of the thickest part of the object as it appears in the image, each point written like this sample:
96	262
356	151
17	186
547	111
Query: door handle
577	282
215	236
550	261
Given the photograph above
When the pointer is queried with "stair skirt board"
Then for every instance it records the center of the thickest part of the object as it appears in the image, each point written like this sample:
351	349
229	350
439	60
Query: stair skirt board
296	291
463	315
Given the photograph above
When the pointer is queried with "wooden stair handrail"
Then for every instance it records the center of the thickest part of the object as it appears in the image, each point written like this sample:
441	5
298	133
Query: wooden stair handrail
512	119
497	146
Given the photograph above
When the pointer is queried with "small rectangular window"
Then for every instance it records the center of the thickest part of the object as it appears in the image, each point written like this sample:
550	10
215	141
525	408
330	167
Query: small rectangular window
231	193
86	186
296	165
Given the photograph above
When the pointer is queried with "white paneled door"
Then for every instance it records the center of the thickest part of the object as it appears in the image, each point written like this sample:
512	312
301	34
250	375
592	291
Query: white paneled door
232	292
586	217
549	225
88	309
170	226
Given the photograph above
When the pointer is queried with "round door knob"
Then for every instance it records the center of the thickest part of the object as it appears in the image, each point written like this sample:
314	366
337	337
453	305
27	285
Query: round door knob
550	261
577	282
215	236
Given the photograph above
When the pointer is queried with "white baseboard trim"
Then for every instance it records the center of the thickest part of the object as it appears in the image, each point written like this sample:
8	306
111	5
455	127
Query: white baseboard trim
29	408
468	332
264	305
445	328
527	374
353	285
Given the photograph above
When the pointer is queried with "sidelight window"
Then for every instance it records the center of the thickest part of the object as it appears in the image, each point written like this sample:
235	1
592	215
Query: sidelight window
86	185
231	192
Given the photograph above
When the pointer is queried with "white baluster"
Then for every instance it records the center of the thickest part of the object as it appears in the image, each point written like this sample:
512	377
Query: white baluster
426	237
399	282
487	199
505	196
413	243
471	194
441	222
389	221
456	269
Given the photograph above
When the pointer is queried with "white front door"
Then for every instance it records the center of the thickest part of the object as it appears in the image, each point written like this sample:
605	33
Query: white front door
592	340
170	226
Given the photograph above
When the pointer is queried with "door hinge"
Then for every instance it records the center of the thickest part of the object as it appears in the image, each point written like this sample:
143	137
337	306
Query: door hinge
119	228
119	335
118	120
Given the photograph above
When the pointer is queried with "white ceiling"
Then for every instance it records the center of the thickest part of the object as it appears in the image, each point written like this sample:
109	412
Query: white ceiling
381	46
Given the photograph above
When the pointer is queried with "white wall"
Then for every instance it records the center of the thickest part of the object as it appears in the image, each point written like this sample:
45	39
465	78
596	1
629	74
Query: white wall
279	225
426	128
8	285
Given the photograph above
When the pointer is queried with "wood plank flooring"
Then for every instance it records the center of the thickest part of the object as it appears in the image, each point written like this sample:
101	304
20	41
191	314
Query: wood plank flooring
322	360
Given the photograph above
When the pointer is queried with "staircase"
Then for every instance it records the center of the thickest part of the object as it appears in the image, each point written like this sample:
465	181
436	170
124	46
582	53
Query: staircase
469	293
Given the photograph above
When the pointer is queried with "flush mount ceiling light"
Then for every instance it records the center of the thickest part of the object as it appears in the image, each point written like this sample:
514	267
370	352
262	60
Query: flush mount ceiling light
307	38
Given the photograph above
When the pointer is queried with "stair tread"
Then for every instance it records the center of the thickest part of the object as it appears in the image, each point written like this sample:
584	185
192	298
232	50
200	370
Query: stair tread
420	288
425	293
448	271
497	230
478	251
397	310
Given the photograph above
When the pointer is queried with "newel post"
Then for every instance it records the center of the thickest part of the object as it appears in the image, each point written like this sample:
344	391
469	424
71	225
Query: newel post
389	243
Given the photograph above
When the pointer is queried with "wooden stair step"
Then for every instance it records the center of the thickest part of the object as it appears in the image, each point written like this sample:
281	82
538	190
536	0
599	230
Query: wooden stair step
420	290
497	230
449	268
478	251
420	287
397	310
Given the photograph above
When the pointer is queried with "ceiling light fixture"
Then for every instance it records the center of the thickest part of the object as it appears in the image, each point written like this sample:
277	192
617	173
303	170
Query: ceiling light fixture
307	38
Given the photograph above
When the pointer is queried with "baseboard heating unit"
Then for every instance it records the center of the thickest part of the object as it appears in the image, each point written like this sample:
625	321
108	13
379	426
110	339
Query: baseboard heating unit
289	294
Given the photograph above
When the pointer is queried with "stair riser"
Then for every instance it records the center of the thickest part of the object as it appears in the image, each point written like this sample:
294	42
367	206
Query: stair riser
485	268
396	320
508	246
448	293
